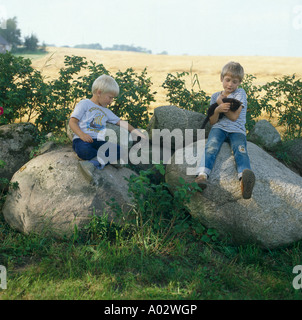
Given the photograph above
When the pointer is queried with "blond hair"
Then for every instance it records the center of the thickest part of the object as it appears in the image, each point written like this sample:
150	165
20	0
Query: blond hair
234	69
105	84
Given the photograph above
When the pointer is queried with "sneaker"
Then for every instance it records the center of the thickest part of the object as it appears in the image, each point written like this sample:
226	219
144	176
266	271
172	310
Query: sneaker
201	180
247	183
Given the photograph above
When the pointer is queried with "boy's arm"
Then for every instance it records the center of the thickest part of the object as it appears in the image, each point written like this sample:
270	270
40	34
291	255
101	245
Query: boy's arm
232	115
74	126
241	96
225	108
222	108
131	129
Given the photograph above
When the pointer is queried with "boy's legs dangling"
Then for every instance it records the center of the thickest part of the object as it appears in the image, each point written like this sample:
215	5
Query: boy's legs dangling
245	173
215	140
213	145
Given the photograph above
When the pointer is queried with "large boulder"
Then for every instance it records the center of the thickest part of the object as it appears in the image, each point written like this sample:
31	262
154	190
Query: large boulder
54	194
265	134
294	151
271	218
17	141
172	117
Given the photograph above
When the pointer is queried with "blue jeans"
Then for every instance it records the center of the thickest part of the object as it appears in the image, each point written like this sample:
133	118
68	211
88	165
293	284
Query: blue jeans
237	142
88	151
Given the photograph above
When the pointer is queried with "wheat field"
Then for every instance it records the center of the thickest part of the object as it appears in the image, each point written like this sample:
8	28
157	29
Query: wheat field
207	68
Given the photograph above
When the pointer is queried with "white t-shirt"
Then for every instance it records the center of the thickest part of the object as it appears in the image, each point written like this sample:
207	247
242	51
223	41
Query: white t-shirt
92	119
225	123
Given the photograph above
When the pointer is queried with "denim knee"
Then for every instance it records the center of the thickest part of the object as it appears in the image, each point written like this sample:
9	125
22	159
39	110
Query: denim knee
84	150
212	147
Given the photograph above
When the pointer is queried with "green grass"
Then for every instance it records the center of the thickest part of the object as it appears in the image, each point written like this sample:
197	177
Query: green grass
117	268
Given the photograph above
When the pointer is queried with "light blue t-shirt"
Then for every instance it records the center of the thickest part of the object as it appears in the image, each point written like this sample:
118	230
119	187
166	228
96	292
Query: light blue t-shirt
225	123
92	119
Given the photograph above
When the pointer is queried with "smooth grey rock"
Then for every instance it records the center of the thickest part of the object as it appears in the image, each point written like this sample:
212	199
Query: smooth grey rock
54	195
294	150
266	134
271	218
172	117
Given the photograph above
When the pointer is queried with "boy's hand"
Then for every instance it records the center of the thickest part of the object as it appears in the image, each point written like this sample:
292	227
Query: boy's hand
223	108
86	137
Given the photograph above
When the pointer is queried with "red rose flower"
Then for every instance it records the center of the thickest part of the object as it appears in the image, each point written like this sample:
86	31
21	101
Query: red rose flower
1	111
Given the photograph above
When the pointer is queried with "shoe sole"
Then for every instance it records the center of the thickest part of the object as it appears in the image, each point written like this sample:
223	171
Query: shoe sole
202	184
248	181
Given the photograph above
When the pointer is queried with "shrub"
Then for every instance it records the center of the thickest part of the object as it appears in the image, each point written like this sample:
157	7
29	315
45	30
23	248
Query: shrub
135	97
60	96
25	93
181	97
254	101
26	96
285	96
131	104
21	88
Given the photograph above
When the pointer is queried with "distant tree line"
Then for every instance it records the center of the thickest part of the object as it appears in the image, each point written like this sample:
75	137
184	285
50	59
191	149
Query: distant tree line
115	47
12	34
93	46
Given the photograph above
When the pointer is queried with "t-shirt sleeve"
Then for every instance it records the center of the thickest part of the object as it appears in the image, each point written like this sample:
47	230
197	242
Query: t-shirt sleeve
79	110
112	118
214	98
241	96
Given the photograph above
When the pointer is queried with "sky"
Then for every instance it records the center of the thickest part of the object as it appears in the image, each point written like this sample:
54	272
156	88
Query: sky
191	27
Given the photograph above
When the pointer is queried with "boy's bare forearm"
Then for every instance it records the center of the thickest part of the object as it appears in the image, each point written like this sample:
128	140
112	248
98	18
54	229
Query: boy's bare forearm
73	124
233	115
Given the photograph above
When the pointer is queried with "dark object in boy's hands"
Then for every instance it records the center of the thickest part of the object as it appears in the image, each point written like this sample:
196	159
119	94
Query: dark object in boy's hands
234	105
